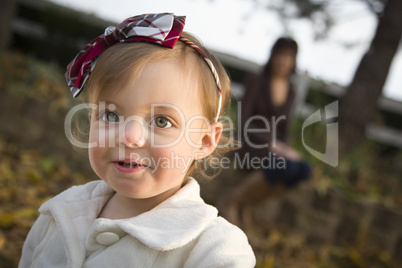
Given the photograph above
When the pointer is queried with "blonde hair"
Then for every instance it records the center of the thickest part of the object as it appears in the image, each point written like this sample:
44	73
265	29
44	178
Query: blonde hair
122	62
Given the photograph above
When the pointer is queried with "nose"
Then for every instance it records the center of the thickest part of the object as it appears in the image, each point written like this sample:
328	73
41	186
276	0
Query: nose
133	132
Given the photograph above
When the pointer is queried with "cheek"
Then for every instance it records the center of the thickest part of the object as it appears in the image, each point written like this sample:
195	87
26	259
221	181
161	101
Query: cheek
194	131
97	147
193	140
102	137
165	139
94	155
175	160
290	63
94	134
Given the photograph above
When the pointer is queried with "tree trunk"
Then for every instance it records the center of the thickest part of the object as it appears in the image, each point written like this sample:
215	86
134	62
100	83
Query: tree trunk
7	12
360	100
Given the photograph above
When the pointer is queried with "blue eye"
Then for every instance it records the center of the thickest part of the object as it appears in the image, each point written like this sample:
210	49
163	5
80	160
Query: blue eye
109	116
161	122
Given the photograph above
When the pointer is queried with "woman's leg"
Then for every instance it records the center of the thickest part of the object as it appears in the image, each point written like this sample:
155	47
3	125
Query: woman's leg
253	189
259	185
295	173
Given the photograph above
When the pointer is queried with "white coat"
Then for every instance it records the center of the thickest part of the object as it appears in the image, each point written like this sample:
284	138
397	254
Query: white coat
182	231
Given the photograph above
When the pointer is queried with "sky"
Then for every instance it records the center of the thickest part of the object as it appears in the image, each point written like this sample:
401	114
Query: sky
238	28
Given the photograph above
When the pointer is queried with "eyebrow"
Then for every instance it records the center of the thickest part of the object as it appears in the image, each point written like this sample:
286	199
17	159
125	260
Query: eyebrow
107	104
163	108
156	108
175	112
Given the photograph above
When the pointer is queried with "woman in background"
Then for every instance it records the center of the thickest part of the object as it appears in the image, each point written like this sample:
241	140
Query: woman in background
265	119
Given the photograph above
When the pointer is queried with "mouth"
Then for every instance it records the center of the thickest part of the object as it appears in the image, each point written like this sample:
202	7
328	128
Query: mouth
128	166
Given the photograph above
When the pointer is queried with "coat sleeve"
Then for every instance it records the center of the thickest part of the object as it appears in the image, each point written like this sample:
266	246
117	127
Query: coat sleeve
221	245
35	236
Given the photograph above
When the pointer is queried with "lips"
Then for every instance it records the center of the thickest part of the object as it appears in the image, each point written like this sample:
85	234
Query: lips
128	166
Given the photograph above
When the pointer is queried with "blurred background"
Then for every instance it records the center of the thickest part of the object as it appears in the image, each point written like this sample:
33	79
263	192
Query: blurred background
349	215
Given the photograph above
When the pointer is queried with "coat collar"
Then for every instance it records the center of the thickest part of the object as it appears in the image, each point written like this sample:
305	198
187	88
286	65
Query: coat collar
170	225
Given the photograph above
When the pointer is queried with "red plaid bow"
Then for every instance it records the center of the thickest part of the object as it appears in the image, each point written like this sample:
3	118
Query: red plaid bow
163	29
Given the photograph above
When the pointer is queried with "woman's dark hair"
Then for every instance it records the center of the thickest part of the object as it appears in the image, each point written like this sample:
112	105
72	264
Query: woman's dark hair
283	43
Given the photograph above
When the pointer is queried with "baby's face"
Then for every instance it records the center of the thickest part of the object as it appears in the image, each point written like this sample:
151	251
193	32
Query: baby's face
148	133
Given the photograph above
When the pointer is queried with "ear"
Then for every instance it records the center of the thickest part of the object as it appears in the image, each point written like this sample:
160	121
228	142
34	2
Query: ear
210	140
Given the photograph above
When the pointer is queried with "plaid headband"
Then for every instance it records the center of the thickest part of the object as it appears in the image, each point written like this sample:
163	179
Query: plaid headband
163	29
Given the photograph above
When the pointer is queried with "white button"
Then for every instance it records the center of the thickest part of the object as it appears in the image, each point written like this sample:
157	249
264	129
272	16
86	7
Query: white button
107	238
